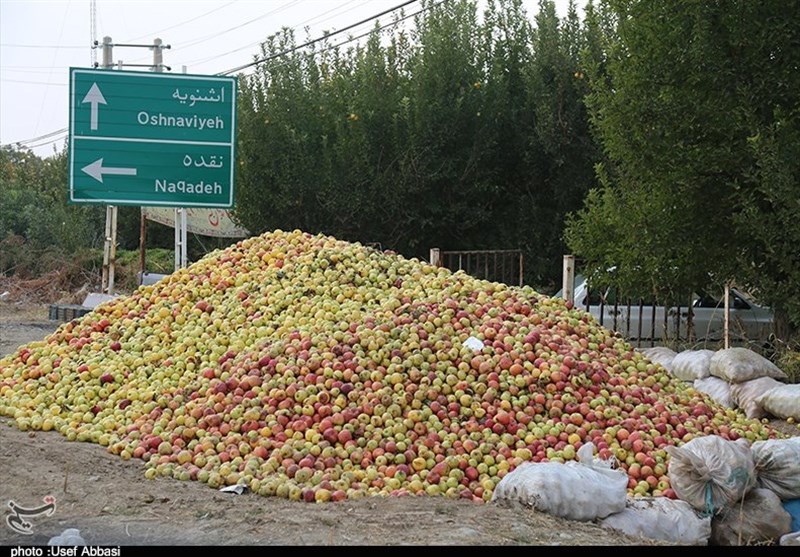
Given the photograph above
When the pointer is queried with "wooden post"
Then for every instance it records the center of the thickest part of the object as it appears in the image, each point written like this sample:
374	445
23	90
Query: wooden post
109	250
568	278
106	252
112	249
142	243
727	316
435	257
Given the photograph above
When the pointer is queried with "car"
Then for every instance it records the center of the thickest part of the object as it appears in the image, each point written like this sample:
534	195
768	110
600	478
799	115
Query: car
641	320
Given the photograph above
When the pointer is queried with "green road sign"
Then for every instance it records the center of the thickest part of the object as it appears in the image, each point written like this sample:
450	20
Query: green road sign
140	138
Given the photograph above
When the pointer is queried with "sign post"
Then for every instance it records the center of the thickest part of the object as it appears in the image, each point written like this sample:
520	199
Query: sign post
109	250
110	237
181	254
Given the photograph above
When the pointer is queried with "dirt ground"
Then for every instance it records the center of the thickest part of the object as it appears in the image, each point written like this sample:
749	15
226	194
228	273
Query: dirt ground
111	502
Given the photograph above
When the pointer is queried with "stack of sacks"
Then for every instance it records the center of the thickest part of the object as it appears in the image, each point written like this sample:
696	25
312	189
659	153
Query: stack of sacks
750	375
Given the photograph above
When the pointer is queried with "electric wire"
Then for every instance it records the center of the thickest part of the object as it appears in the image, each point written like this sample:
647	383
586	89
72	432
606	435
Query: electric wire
294	28
31	142
318	39
218	8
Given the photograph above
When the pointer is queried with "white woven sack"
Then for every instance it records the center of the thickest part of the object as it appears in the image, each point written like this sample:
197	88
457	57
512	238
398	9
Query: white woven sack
692	364
660	355
660	518
738	364
759	518
584	490
778	466
747	395
782	402
710	472
717	389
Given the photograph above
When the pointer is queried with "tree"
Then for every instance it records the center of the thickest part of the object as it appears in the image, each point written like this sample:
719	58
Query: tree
562	156
770	215
693	103
37	226
463	132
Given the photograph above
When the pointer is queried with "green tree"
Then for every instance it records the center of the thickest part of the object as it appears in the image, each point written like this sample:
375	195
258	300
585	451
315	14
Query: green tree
689	100
563	154
770	216
462	132
37	226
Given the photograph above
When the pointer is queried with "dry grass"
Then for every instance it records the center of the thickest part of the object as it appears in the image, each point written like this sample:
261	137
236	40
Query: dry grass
57	286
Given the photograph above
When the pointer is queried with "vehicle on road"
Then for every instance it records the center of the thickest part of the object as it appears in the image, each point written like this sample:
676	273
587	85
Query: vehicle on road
646	320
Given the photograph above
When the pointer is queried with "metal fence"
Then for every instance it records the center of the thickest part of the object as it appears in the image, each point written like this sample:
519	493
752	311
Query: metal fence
680	320
643	322
505	265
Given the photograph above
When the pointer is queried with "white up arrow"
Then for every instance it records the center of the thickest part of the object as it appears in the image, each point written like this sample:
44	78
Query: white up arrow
94	97
96	170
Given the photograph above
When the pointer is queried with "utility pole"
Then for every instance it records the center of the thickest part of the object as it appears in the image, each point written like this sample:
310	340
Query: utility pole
93	30
107	51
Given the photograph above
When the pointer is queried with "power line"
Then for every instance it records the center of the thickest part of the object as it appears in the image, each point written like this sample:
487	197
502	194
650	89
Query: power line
15	45
309	20
52	67
8	67
39	138
19	69
213	35
33	82
376	30
288	51
45	140
208	59
57	139
181	23
314	41
218	33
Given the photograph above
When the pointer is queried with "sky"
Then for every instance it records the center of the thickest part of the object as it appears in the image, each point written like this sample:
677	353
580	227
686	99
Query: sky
41	39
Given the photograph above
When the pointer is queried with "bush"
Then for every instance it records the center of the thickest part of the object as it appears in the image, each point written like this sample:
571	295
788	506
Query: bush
788	359
158	260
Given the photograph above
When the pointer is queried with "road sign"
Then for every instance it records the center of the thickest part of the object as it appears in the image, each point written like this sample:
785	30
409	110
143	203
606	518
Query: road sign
140	138
205	222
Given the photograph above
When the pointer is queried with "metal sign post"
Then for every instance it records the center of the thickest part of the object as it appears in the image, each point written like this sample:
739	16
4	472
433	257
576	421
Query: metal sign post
181	254
109	250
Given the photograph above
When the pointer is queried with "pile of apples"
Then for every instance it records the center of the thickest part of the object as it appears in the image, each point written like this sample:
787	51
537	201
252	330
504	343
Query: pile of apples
315	369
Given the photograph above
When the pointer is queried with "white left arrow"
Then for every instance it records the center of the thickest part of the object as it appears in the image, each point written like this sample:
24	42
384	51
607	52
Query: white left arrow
96	170
94	97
